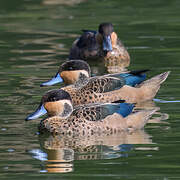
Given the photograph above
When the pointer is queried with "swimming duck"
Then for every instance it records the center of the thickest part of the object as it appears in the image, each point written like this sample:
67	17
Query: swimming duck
86	119
103	44
130	86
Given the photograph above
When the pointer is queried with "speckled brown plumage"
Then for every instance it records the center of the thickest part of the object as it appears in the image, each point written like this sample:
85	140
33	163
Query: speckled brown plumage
95	90
82	119
109	89
118	56
86	121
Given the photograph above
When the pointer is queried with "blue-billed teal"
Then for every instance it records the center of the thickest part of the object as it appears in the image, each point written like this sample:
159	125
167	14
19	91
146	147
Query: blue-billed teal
130	86
86	119
103	44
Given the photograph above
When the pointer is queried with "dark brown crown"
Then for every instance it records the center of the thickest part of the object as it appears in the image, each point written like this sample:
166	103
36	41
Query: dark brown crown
106	29
56	95
73	65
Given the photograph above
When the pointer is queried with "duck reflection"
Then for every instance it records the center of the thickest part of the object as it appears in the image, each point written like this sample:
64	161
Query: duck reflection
115	66
59	160
63	150
101	67
158	117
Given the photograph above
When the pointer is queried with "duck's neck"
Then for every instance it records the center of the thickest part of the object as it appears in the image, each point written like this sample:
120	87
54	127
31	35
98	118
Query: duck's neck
68	109
82	80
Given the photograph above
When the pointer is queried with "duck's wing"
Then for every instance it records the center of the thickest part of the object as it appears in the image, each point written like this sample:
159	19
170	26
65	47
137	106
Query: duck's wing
98	112
131	78
99	84
87	40
110	82
84	46
103	84
87	31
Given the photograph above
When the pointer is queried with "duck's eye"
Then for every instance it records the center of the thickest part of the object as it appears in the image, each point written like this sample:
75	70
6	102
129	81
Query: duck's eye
70	68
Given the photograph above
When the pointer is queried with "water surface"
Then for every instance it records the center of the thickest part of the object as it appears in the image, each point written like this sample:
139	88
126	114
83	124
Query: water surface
35	39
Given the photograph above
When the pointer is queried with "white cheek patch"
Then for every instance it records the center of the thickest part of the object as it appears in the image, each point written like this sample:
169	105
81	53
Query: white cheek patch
67	108
85	73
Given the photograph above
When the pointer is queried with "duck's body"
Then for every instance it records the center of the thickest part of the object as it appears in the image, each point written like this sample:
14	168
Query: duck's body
80	126
113	90
103	44
86	119
85	47
130	86
101	89
91	119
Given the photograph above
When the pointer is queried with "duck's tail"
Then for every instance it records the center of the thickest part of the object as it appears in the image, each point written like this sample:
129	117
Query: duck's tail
138	119
156	80
140	93
151	86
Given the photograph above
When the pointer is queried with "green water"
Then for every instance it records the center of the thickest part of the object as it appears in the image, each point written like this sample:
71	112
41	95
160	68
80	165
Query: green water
35	37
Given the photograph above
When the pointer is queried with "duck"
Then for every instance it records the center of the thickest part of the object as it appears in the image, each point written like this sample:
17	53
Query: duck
131	86
66	119
102	44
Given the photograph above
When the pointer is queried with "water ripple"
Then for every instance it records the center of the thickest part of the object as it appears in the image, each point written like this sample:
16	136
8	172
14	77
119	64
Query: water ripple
164	101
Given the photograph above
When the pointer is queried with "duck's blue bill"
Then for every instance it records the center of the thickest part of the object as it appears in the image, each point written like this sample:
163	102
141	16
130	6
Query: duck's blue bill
54	80
107	45
39	112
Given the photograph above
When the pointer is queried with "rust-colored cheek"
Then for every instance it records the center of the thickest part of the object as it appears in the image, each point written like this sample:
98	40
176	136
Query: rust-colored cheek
54	108
113	39
69	77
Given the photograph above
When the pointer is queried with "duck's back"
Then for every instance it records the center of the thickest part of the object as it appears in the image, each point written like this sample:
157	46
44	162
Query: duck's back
96	90
85	46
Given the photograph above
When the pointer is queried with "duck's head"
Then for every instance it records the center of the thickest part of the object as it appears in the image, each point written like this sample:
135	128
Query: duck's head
70	72
106	37
56	102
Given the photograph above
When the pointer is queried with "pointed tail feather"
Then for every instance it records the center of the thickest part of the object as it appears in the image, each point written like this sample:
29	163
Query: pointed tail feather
140	93
138	119
151	86
156	80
